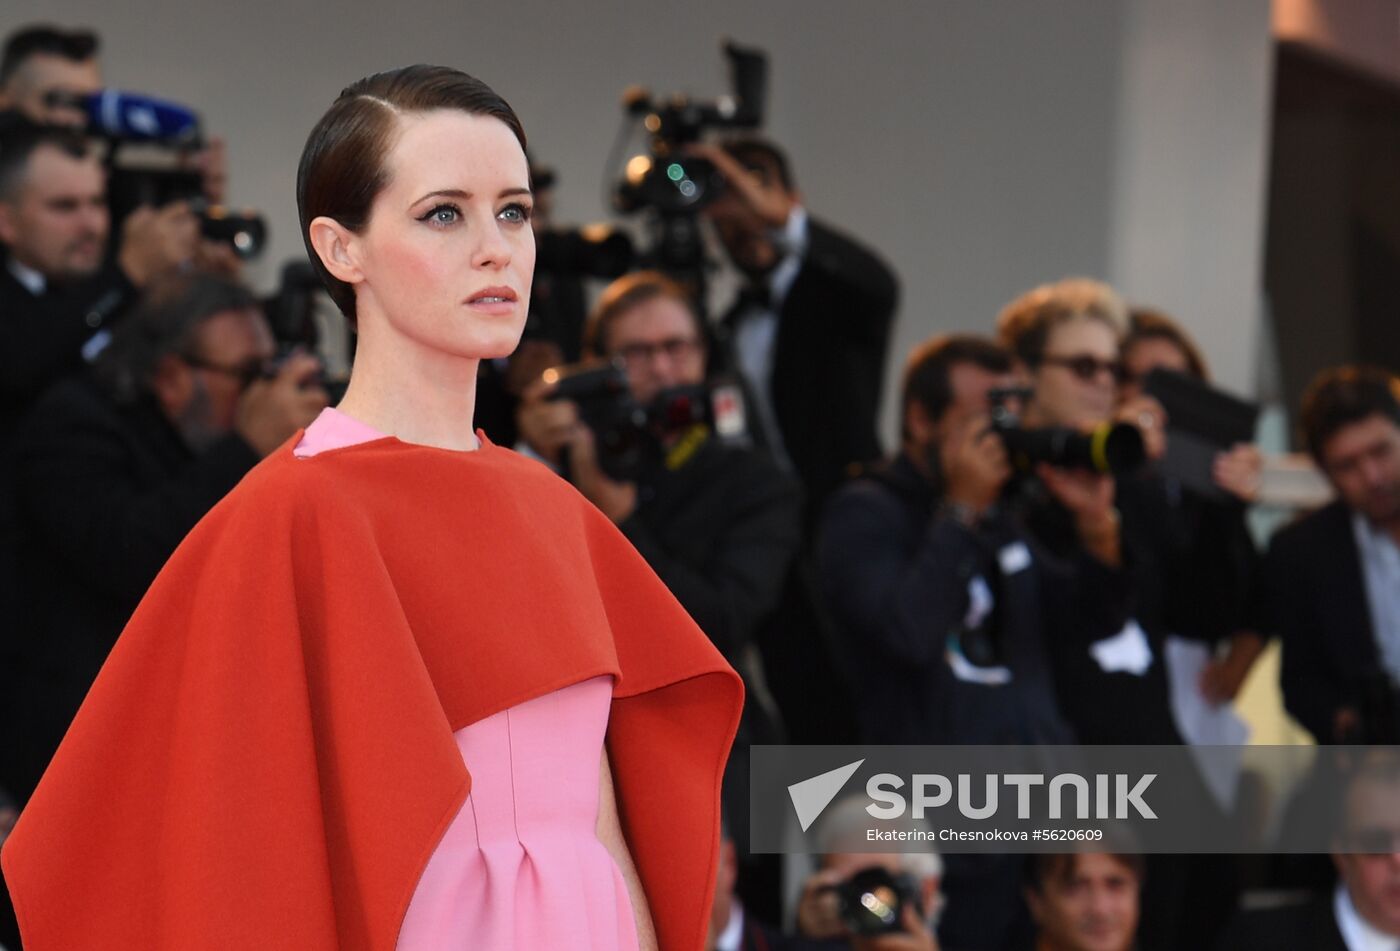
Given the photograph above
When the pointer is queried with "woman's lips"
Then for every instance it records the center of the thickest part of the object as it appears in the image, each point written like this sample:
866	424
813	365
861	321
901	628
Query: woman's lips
494	300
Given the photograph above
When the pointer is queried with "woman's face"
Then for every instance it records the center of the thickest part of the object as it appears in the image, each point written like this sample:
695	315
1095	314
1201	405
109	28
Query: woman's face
448	253
1075	383
1146	355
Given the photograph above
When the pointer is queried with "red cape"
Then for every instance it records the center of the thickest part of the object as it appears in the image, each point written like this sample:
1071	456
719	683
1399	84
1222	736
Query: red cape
267	760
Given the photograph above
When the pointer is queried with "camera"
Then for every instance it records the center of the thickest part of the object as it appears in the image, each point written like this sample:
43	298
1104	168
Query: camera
122	119
630	436
872	901
1109	447
669	183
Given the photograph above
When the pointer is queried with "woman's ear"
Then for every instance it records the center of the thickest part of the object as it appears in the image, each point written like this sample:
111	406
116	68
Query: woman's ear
336	246
172	382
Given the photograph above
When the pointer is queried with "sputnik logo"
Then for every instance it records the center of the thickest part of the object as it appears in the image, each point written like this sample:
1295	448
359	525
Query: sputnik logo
811	796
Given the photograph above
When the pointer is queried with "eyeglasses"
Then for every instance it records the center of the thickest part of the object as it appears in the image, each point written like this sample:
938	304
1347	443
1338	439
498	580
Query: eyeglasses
1087	367
676	349
257	368
1374	841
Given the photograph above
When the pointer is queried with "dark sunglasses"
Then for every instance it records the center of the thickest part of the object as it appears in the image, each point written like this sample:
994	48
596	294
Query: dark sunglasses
246	373
1087	367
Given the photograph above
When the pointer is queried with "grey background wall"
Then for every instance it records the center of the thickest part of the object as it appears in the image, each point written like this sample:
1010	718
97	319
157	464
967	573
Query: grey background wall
983	147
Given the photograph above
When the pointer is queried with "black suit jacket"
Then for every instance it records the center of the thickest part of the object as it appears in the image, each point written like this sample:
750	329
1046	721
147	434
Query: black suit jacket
41	338
105	494
1316	602
1312	926
829	359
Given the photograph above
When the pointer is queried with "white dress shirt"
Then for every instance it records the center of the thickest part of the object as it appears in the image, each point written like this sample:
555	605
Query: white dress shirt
1357	933
1380	568
732	937
756	329
33	281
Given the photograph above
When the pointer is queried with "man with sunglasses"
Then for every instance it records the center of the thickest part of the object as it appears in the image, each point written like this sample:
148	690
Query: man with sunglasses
1065	337
114	467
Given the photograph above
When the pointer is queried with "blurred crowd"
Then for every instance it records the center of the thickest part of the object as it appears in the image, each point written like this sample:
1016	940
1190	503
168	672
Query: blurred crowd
1012	572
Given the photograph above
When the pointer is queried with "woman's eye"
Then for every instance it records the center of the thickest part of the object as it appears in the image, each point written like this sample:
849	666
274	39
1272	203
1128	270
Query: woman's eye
516	212
441	215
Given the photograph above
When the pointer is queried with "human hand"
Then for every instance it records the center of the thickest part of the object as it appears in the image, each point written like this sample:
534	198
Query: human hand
270	411
818	911
1150	418
1222	677
158	240
617	500
546	425
915	936
770	202
216	257
1089	498
1238	471
975	464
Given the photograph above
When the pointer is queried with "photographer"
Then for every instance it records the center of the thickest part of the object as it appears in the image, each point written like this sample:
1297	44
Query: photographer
58	300
717	523
810	330
945	605
40	60
112	470
835	903
947	608
45	73
1065	338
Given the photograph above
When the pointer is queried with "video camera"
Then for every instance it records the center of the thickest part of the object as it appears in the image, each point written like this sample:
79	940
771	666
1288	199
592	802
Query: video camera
122	119
1109	447
669	183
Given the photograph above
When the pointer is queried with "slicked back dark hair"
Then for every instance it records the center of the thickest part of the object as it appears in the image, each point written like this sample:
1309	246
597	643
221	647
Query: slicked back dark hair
42	39
343	168
20	139
1341	396
928	372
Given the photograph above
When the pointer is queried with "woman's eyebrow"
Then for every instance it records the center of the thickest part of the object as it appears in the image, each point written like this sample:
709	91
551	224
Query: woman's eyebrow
465	196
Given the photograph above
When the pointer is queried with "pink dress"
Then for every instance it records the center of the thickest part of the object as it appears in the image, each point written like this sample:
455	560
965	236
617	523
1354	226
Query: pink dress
521	865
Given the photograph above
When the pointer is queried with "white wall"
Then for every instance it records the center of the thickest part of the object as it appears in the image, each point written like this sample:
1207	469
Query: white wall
982	146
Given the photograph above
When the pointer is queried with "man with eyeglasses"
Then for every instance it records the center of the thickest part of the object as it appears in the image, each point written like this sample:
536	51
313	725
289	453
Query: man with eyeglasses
718	523
114	467
1362	913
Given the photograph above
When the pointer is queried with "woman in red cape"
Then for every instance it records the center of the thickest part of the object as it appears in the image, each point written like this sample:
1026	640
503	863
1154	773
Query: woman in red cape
401	688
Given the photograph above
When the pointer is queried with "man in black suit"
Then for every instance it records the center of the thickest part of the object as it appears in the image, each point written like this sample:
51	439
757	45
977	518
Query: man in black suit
807	336
59	298
1332	579
112	469
1363	911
